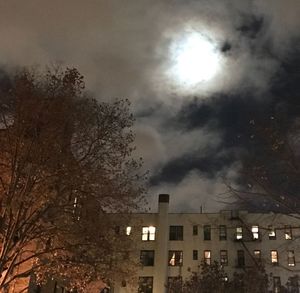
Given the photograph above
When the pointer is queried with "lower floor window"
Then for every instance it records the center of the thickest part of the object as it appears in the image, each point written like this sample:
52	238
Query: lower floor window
276	284
175	284
145	285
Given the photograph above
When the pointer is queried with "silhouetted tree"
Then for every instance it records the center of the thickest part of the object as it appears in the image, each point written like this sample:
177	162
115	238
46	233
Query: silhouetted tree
65	163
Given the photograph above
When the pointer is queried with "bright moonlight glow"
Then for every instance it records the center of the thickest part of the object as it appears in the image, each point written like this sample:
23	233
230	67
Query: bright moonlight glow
195	59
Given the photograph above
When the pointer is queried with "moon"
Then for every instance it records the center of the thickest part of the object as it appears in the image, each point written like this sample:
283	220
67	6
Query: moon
195	59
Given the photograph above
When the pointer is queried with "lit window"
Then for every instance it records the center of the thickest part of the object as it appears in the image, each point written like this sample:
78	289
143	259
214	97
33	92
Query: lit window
195	230
274	257
207	257
288	232
128	230
272	233
176	233
257	254
145	285
207	232
291	258
148	233
147	257
239	233
175	257
195	254
224	257
255	233
241	258
222	232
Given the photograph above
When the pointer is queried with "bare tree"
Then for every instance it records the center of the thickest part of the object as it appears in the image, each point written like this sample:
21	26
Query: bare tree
65	162
271	167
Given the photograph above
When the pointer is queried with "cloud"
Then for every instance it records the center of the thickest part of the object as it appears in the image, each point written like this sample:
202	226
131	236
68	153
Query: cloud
195	191
123	50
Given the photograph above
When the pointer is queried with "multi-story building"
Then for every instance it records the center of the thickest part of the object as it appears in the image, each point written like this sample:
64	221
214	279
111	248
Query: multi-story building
174	244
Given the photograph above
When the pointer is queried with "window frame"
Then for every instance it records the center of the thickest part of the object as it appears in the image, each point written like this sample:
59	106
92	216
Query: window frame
176	233
177	255
195	230
145	284
255	232
149	235
195	254
288	234
241	258
207	259
144	255
271	230
274	256
223	257
222	236
207	232
239	234
292	257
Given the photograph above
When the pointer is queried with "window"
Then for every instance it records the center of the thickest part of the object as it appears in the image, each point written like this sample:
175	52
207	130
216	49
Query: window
175	257
224	257
274	257
276	284
117	230
288	232
240	258
257	255
272	233
145	285
207	232
195	254
174	284
222	232
176	233
255	233
239	233
148	233
291	258
207	257
147	258
195	230
128	230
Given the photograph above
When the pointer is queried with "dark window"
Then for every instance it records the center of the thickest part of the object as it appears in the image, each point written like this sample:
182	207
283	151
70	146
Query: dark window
175	258
272	232
147	257
222	232
175	284
276	284
224	257
176	232
207	232
195	230
240	258
145	285
195	254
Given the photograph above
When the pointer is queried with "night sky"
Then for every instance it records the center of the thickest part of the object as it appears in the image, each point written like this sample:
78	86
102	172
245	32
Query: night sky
190	132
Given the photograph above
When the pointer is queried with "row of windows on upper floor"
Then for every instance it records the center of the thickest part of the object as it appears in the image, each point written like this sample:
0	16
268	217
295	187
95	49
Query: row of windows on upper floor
176	232
175	257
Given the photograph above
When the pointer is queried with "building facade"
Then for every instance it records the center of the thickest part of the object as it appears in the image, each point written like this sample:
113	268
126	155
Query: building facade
170	245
